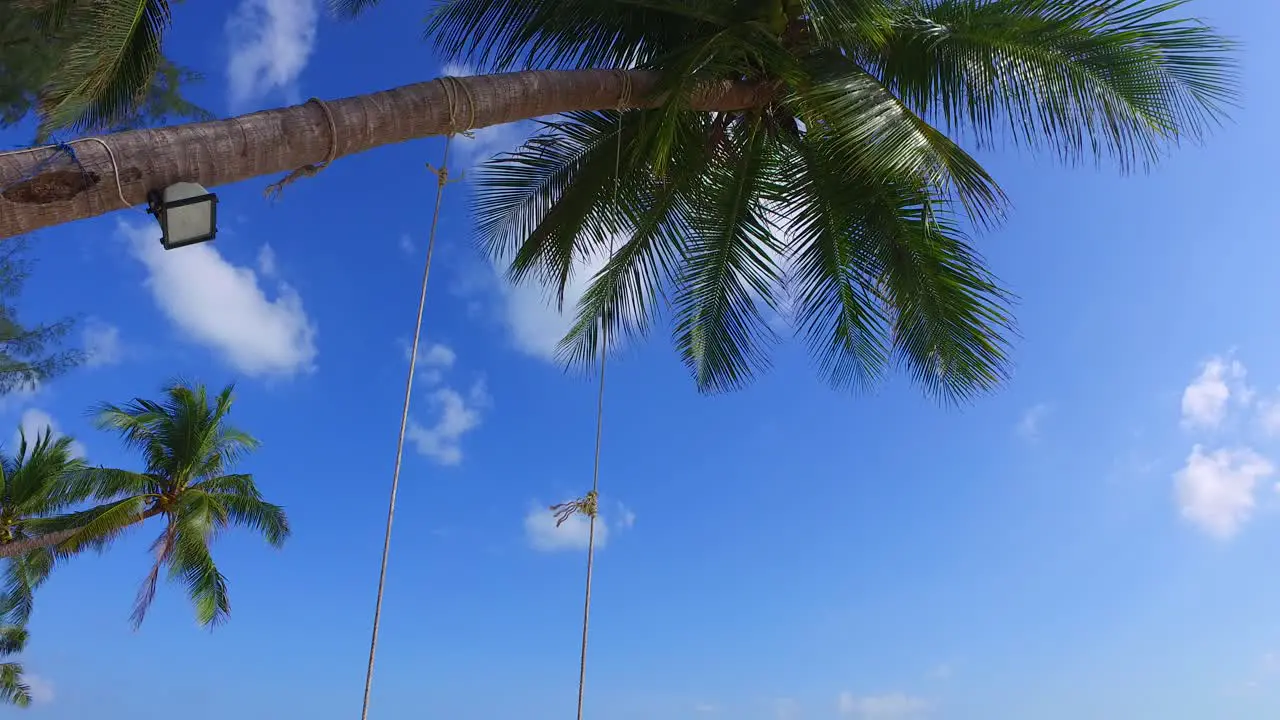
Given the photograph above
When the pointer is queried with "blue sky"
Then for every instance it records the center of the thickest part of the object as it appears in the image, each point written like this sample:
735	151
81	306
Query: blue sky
1097	539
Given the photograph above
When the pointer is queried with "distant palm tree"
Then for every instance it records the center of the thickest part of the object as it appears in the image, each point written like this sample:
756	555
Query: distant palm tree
13	691
189	451
38	484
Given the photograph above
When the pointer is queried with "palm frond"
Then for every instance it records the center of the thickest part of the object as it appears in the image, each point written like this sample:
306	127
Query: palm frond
248	511
1118	78
623	298
194	566
729	264
546	205
505	34
13	639
96	528
860	118
42	476
110	69
835	272
162	548
350	8
23	575
12	690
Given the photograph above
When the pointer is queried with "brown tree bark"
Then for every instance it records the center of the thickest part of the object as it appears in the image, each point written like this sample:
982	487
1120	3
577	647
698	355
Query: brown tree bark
39	189
20	547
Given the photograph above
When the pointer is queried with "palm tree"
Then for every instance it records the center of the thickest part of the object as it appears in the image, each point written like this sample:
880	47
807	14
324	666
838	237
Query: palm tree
37	485
189	450
1125	78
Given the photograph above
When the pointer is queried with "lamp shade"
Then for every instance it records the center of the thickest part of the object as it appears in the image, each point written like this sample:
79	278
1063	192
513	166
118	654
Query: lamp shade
187	213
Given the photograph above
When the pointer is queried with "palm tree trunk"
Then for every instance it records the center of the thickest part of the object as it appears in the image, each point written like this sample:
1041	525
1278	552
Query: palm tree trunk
39	189
21	547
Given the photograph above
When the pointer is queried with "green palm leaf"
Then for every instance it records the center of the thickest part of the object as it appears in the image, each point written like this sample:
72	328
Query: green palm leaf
23	575
12	690
109	71
730	261
1115	77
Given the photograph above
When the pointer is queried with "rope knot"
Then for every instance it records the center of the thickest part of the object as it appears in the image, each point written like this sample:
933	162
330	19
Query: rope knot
587	505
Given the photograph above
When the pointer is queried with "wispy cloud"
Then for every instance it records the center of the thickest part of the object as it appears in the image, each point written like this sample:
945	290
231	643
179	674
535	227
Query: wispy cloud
456	415
269	42
895	706
1029	426
224	307
101	344
42	689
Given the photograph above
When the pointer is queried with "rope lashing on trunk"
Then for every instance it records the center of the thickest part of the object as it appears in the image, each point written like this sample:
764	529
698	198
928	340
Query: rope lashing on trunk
453	90
442	179
61	149
273	191
589	504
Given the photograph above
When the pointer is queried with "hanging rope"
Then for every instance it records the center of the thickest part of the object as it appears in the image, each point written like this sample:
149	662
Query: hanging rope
442	179
589	504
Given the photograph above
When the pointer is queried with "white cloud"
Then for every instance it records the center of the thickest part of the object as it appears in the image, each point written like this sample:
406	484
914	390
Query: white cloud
1029	426
34	422
1204	401
101	344
1216	491
895	706
484	142
457	416
943	672
433	360
406	244
42	689
542	533
20	396
705	708
223	307
267	261
626	518
439	356
270	42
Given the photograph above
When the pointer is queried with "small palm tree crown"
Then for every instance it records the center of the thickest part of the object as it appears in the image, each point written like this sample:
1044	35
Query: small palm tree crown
37	484
189	451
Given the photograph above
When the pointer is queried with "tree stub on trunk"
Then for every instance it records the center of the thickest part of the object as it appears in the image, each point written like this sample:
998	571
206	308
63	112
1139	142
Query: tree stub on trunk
34	195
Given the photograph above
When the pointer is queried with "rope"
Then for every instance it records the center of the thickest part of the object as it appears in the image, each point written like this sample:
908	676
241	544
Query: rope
273	191
453	89
589	504
442	177
64	148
